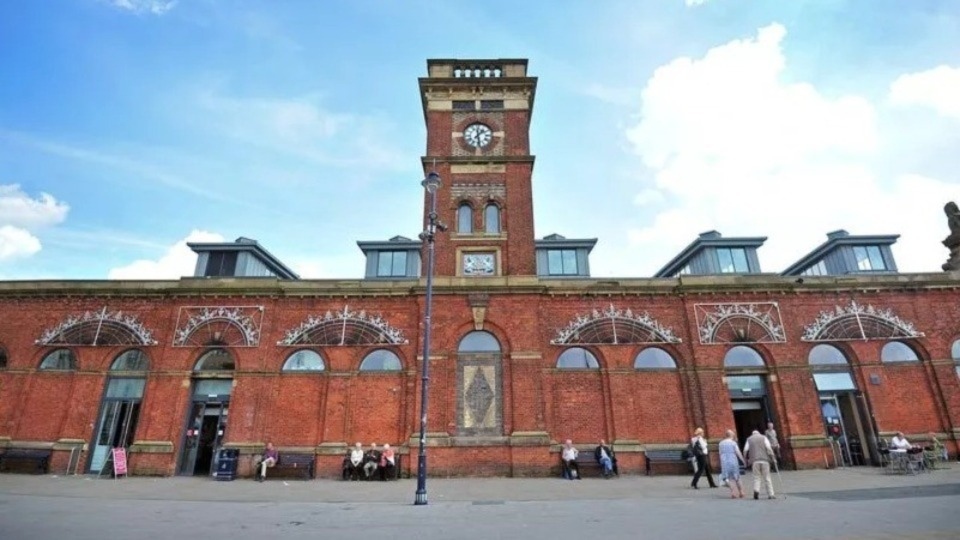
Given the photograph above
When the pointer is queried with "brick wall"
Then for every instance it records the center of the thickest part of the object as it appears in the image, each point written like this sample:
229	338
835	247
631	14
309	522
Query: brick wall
342	405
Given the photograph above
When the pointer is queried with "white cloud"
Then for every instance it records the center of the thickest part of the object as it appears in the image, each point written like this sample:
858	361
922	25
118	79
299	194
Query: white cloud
695	3
153	7
16	242
178	260
19	209
736	148
20	214
301	127
937	88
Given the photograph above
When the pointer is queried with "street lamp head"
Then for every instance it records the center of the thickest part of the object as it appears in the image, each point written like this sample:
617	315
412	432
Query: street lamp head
431	183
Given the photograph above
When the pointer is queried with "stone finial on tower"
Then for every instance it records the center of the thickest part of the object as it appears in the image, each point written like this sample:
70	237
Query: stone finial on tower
953	241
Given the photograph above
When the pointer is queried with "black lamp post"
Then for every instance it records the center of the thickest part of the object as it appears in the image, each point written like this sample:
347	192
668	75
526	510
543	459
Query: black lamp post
431	183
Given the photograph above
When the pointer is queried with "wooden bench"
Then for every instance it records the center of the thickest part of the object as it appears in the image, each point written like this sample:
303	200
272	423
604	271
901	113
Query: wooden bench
302	465
586	464
34	456
662	456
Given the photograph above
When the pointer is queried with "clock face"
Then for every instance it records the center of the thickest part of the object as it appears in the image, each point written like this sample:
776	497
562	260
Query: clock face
477	135
479	264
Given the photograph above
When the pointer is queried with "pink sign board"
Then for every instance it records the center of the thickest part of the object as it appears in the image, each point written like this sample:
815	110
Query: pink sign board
119	461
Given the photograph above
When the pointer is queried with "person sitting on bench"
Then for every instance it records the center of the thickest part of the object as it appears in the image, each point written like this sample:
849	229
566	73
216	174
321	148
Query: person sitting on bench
569	456
606	458
371	460
352	464
388	462
268	459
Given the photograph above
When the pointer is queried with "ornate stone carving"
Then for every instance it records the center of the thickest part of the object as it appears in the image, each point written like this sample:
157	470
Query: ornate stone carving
210	326
856	322
478	304
952	242
752	322
344	327
614	326
100	328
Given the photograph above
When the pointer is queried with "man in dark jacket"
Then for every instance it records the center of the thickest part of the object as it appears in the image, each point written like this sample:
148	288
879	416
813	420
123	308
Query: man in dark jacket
606	458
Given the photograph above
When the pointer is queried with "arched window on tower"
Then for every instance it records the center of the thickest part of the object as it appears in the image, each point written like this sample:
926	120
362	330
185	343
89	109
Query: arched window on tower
465	218
491	218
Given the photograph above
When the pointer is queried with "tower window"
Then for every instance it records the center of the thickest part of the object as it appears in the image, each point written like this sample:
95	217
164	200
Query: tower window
464	105
465	218
488	104
491	218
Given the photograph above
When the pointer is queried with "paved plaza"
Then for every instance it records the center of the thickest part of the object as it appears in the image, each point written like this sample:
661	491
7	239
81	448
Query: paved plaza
859	503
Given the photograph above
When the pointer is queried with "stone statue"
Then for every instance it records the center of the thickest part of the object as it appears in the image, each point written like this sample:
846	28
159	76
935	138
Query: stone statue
953	241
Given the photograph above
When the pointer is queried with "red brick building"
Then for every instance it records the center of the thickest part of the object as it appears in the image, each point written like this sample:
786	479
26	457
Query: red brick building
527	350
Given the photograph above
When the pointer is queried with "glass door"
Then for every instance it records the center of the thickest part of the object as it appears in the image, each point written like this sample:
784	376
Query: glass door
117	424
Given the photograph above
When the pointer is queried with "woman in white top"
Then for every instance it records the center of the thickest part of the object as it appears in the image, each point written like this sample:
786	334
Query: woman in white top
700	450
899	443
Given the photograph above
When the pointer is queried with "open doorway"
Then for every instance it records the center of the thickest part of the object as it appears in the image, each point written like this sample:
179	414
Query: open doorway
749	415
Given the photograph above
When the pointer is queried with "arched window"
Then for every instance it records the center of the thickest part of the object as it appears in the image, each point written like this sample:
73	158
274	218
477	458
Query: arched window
216	360
132	360
896	351
955	350
381	360
479	342
60	359
826	355
465	218
577	358
742	356
491	218
304	360
654	358
3	358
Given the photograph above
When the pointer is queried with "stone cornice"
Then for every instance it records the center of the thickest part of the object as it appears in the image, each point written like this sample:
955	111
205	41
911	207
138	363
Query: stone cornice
274	288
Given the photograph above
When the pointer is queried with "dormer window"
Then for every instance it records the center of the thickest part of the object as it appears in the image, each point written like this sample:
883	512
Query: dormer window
562	262
221	263
819	269
869	258
732	260
392	264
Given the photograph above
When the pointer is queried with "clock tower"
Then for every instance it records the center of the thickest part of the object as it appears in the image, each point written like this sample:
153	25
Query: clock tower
478	139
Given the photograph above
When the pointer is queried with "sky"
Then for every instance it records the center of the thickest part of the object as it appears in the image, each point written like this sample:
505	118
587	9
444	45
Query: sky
129	127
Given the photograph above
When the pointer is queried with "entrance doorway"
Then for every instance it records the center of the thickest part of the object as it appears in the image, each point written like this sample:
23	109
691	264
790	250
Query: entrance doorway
205	429
116	428
751	406
845	418
206	422
116	425
749	415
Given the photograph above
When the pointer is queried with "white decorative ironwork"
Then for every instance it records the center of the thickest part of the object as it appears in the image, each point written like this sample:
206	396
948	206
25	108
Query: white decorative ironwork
344	327
856	322
99	328
750	322
614	326
206	326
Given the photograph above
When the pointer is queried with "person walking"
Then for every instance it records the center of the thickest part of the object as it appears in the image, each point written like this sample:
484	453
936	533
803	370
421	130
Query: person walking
730	458
700	451
759	456
771	434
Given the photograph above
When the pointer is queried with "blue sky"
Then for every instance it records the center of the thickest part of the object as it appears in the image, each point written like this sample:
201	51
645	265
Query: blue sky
127	126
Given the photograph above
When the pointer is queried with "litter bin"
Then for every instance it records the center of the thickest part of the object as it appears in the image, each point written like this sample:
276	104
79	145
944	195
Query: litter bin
227	464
